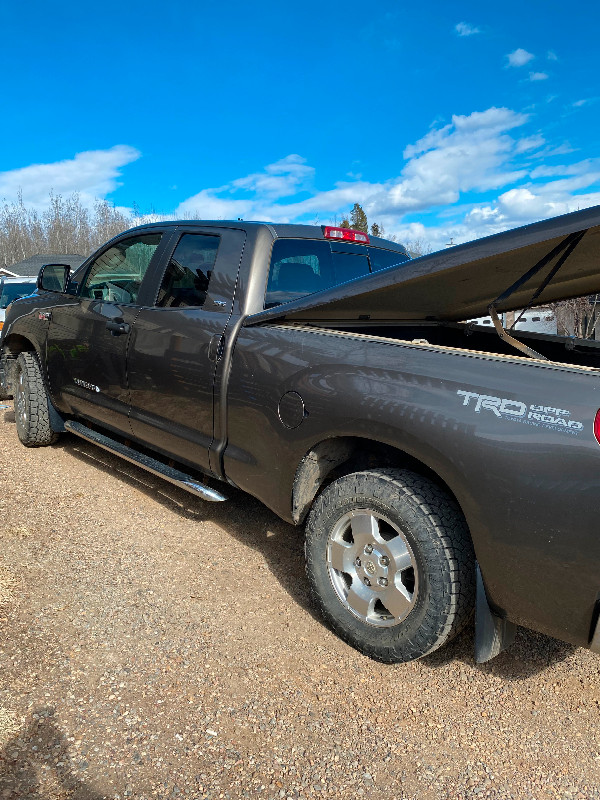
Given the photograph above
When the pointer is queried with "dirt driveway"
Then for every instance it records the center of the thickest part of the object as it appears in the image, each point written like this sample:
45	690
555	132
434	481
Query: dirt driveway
155	646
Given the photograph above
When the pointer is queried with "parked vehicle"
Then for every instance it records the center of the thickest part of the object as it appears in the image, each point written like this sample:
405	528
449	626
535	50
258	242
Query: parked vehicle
435	463
12	289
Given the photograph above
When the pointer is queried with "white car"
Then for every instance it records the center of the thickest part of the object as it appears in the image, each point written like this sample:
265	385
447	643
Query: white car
13	288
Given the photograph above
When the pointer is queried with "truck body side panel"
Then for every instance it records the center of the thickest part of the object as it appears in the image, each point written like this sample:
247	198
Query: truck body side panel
526	479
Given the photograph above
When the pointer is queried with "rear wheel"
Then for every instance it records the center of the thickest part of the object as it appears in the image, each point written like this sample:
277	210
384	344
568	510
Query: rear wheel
390	563
31	403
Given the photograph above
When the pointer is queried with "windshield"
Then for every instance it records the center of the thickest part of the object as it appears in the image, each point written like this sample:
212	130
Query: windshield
12	291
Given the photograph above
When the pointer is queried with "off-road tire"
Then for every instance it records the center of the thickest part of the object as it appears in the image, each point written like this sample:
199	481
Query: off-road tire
31	403
437	542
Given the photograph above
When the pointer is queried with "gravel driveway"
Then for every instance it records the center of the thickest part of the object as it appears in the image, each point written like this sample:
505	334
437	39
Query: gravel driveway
155	646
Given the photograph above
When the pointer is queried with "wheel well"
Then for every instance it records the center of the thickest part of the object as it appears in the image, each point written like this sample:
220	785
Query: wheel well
12	347
16	344
333	458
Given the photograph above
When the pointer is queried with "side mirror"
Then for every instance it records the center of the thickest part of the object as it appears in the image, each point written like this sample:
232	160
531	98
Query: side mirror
54	277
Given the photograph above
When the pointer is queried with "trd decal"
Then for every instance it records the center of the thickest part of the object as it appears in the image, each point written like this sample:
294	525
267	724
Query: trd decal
546	416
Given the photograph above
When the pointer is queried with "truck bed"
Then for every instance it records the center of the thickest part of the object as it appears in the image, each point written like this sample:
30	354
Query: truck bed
511	437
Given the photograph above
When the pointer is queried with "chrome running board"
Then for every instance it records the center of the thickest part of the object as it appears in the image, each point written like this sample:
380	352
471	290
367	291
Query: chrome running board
145	462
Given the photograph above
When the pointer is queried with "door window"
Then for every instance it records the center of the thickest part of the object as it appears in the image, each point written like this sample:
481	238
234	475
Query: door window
117	274
186	279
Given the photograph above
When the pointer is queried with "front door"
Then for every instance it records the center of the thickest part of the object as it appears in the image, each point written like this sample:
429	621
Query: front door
88	335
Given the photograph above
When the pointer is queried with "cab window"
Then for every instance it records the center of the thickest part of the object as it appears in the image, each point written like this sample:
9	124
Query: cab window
117	274
300	267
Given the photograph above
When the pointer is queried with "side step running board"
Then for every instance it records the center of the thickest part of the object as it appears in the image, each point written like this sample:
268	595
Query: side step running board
145	462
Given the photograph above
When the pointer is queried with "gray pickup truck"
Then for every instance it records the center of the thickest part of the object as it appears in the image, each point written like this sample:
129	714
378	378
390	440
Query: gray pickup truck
439	466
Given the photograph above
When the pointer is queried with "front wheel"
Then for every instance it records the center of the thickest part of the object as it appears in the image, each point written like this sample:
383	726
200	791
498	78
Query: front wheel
31	403
390	563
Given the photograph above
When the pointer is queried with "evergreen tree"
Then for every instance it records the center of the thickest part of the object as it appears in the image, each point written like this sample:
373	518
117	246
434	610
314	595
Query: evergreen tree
376	230
345	223
358	219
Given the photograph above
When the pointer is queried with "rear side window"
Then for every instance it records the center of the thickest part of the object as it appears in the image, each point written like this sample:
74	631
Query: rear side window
185	282
300	267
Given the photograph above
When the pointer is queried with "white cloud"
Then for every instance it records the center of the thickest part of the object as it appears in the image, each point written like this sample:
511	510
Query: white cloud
281	179
538	76
551	55
93	174
557	150
529	143
585	101
471	153
519	57
255	196
484	152
465	29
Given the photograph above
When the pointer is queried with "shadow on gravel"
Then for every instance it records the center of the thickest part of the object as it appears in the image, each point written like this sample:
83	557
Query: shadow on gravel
530	654
242	516
9	416
282	546
41	748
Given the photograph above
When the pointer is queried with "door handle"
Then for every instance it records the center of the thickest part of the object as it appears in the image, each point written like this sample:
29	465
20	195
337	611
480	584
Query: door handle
117	327
216	347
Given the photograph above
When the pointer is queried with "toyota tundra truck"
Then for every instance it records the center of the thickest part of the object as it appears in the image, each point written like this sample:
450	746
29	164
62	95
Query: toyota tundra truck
439	466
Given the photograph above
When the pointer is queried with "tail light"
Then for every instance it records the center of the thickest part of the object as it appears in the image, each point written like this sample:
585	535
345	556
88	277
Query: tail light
345	234
597	426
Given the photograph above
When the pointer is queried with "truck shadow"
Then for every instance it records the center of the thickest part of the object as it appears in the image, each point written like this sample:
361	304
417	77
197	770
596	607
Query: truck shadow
530	654
241	516
40	749
282	546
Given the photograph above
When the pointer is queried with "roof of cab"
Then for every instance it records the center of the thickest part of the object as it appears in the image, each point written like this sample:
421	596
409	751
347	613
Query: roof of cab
279	230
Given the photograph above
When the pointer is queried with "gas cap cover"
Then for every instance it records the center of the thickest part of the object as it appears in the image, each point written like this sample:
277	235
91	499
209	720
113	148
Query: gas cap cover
291	410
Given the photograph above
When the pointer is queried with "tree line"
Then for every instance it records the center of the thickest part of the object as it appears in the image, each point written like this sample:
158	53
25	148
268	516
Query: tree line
66	226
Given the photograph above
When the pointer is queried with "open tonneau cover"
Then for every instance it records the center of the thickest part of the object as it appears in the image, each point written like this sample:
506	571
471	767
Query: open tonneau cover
461	282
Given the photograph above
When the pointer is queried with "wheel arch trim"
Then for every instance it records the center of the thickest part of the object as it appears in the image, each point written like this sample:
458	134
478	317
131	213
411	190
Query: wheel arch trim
328	454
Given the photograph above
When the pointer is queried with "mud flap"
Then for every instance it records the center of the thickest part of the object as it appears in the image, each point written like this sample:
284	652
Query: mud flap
492	634
57	423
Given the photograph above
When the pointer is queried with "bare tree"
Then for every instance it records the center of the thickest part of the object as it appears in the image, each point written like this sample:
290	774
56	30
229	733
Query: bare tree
66	226
417	247
576	317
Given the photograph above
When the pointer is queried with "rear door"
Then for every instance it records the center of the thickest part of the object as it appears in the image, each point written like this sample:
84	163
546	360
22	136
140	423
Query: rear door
88	334
177	340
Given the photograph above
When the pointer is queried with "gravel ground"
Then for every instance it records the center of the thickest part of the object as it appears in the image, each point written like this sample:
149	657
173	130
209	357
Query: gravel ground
155	646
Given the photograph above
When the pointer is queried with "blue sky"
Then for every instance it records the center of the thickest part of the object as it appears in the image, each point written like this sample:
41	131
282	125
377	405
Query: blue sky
443	120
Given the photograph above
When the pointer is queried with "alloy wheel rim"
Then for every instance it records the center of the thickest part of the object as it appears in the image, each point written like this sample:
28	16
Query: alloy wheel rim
372	568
